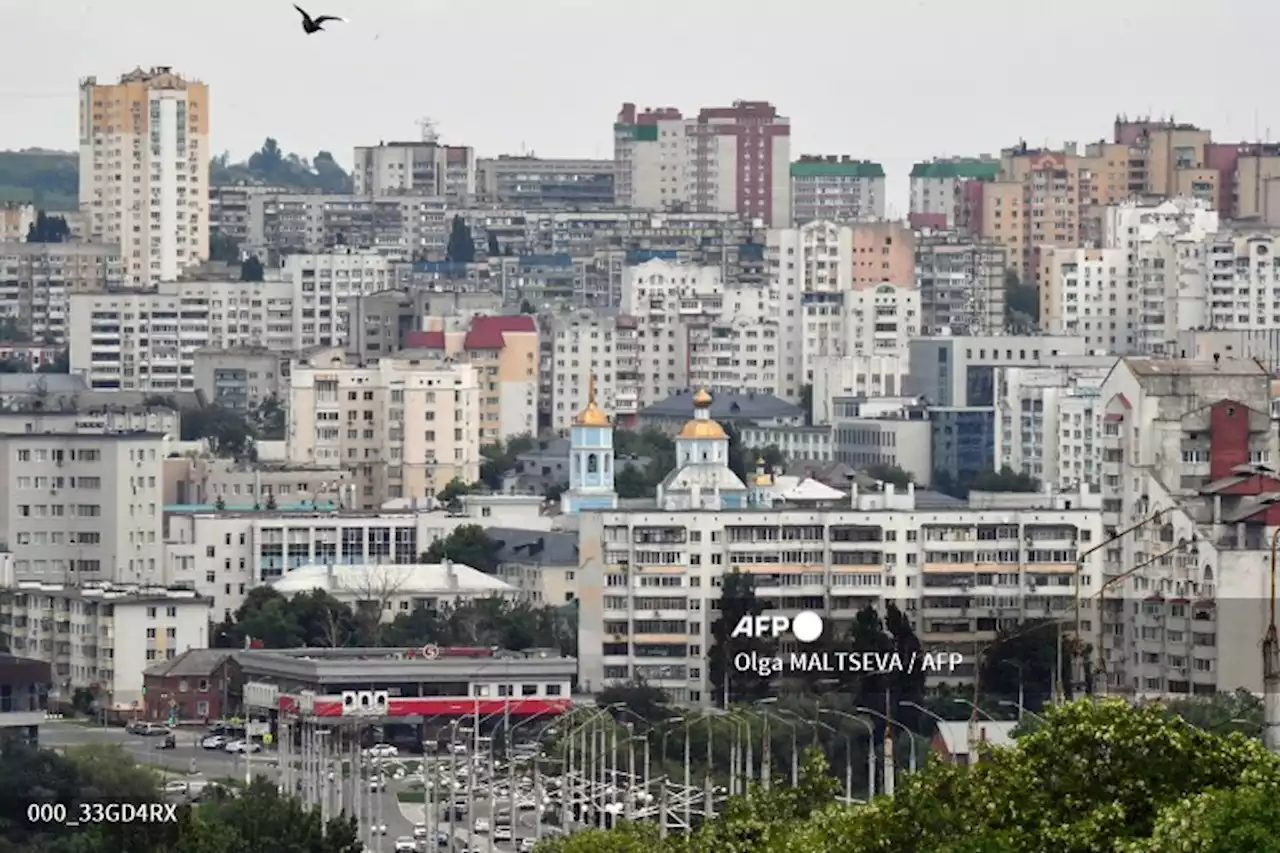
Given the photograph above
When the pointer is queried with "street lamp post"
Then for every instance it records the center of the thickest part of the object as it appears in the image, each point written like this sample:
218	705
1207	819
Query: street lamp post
1023	710
871	748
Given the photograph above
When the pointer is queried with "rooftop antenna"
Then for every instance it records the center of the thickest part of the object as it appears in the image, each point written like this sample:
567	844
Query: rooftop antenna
427	130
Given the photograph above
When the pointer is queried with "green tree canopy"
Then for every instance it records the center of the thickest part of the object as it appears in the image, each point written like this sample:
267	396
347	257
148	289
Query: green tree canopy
467	545
461	248
270	166
251	269
49	229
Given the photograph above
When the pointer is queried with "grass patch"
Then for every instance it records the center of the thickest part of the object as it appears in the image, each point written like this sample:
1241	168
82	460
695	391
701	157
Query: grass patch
412	797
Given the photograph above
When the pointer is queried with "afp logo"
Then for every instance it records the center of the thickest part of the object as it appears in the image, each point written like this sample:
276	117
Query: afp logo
805	627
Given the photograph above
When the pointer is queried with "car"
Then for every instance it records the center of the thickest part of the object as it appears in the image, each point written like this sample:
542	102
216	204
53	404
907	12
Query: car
378	829
527	845
482	824
215	742
405	844
176	786
242	746
419	831
443	838
377	785
526	804
458	749
382	750
502	832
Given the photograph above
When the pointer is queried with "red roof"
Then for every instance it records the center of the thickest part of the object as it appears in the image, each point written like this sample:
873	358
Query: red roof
424	340
490	332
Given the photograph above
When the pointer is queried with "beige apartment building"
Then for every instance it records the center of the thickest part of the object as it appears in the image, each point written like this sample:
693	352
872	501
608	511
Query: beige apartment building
37	280
16	219
144	170
504	352
403	427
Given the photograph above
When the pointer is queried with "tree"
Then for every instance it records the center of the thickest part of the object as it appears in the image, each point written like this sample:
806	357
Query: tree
501	457
461	248
261	818
806	402
1021	661
466	545
48	179
452	492
61	364
1021	305
891	634
48	229
223	247
737	457
636	702
228	433
889	474
272	167
1102	776
1004	480
629	482
737	600
495	248
527	307
251	269
271	421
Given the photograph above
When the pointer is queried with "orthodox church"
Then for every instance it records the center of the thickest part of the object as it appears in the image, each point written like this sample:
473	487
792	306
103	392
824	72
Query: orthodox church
702	478
590	460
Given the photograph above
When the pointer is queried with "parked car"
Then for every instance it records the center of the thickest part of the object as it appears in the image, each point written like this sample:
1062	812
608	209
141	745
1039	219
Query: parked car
382	750
482	824
242	747
215	742
405	844
176	786
378	829
419	831
502	832
146	729
443	838
527	845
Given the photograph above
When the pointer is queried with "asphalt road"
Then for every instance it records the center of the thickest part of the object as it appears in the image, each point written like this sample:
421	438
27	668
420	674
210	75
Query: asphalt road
188	761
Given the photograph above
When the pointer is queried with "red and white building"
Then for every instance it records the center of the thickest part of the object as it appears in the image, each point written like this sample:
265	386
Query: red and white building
406	685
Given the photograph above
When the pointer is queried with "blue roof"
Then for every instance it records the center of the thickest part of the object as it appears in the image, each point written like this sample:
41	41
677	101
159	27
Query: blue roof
441	267
639	256
560	259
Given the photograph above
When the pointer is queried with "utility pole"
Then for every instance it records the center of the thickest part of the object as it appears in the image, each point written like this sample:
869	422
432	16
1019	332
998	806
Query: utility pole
1271	664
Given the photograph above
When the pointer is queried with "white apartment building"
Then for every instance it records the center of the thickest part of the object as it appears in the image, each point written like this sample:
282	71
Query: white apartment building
83	507
938	188
1176	436
861	375
880	320
725	159
425	167
1083	294
404	427
222	555
144	171
1050	423
37	280
147	341
88	419
101	634
649	579
836	189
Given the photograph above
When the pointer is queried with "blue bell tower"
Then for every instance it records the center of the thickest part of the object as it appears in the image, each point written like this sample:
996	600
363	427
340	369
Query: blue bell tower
590	460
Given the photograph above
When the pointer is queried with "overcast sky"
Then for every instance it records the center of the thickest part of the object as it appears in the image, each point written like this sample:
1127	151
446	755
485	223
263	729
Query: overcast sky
890	81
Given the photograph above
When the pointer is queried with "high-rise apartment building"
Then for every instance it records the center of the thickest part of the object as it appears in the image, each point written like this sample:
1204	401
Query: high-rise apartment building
425	168
83	507
836	188
940	194
403	427
961	281
144	171
734	158
37	280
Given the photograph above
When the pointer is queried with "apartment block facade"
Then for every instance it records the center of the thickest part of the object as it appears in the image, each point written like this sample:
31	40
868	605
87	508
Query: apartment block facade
405	427
37	280
836	189
144	171
649	580
425	168
734	158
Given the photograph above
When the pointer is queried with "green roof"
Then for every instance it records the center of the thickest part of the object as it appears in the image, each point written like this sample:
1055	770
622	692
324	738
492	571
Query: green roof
823	169
982	170
639	132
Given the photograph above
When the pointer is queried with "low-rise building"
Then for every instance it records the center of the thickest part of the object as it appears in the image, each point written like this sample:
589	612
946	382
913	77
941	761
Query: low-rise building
242	378
199	482
541	564
195	686
761	410
100	637
24	698
396	588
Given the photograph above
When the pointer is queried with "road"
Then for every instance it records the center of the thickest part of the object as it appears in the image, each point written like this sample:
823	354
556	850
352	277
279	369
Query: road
188	761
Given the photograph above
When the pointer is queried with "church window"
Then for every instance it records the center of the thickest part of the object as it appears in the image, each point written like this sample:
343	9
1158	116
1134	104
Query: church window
592	463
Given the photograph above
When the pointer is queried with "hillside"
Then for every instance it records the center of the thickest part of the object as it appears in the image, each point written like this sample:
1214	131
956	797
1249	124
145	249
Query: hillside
50	179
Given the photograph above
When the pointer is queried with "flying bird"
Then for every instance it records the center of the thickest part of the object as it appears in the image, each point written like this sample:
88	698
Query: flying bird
315	25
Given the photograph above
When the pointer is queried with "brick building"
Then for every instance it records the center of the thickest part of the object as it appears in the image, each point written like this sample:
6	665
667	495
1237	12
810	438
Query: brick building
196	685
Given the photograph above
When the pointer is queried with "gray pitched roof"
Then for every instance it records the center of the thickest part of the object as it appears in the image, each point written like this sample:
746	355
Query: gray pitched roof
193	663
725	407
552	548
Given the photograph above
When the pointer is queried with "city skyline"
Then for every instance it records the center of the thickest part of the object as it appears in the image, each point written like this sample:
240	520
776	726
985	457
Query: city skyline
501	108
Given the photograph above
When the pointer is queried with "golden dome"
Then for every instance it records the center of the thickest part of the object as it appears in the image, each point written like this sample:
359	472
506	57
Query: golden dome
764	479
703	429
702	399
592	415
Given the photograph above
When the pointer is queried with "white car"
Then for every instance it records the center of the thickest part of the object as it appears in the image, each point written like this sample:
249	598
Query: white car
382	750
405	844
482	824
176	787
419	831
502	832
214	742
242	746
377	785
378	829
526	804
527	845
